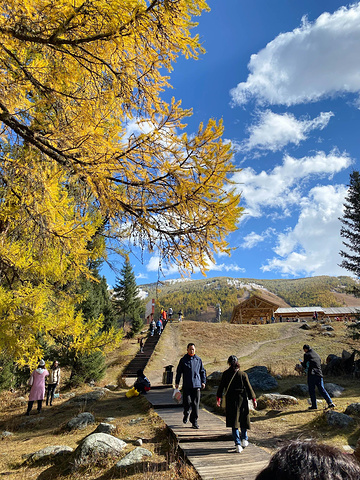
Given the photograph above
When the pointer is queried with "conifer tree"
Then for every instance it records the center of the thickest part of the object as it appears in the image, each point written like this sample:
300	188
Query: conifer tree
350	230
126	298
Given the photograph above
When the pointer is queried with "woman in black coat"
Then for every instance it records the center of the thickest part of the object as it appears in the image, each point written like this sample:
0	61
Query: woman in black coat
238	391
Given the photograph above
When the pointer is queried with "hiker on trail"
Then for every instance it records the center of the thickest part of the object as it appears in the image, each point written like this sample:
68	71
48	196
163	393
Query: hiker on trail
170	314
238	390
37	382
312	364
180	315
307	460
191	368
53	381
159	326
142	383
141	345
152	327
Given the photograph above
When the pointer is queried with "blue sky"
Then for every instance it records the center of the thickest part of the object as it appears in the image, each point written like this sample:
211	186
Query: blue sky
285	78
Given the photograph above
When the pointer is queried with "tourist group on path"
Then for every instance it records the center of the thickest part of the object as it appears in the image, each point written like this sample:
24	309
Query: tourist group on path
235	390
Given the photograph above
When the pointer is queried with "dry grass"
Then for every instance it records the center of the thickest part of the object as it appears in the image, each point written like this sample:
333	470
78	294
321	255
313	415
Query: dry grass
277	346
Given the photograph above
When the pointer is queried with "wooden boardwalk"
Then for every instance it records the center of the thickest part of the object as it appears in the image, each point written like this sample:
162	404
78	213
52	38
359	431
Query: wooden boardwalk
210	449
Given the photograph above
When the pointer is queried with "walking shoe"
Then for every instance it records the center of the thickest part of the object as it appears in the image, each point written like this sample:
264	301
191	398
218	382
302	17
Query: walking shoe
244	443
331	405
186	418
312	408
195	425
239	448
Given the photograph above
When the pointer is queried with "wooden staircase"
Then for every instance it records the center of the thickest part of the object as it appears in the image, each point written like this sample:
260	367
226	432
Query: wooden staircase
141	359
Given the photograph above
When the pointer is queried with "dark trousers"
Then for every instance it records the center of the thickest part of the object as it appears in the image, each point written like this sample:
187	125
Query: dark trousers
30	405
191	402
317	381
50	393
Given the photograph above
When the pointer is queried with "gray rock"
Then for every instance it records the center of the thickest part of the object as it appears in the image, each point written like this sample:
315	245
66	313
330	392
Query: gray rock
333	389
260	379
48	454
328	334
336	419
275	400
298	390
81	421
111	387
305	326
109	419
88	398
95	446
136	456
68	395
138	442
105	428
134	421
353	409
21	400
5	434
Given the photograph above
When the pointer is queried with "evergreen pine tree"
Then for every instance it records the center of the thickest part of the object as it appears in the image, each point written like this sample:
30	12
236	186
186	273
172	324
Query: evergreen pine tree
126	298
350	230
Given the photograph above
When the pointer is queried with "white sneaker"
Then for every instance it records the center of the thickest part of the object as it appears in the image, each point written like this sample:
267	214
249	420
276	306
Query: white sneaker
239	449
244	443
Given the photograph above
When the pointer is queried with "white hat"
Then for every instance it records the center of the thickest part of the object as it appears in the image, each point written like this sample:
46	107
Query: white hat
42	363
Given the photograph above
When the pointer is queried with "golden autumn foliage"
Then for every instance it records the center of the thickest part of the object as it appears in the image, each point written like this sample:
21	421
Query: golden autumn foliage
88	145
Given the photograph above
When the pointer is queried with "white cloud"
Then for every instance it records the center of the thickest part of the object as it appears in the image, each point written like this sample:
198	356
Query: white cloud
273	131
280	188
312	246
223	267
253	238
316	60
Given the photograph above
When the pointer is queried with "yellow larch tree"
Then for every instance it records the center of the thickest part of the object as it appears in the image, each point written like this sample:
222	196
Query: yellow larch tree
88	145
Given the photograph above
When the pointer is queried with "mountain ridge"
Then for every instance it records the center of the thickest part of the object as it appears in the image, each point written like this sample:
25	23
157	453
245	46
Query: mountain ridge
200	299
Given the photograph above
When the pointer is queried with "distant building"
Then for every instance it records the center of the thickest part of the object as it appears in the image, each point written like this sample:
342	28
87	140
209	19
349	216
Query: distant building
256	310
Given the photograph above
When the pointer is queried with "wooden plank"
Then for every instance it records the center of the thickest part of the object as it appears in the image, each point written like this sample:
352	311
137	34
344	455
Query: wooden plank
218	460
210	449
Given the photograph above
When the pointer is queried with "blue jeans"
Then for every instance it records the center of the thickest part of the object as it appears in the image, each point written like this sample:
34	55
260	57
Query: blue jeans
237	436
316	380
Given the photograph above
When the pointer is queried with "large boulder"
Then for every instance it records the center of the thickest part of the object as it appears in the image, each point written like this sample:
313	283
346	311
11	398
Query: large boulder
298	390
88	398
95	446
333	389
105	428
353	409
275	401
336	419
260	379
49	454
135	456
81	421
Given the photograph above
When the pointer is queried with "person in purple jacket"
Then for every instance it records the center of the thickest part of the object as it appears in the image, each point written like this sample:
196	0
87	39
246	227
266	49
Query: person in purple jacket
37	382
194	378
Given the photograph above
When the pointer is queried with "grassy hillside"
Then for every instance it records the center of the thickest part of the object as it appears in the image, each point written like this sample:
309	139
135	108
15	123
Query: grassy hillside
198	298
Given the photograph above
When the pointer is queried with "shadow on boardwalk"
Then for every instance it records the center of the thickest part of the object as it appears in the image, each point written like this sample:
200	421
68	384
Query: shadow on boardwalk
210	449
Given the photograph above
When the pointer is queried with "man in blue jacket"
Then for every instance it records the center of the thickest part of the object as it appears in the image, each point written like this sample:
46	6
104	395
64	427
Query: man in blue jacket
194	378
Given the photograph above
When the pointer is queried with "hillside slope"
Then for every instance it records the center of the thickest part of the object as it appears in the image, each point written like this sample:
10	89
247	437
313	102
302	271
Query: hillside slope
199	299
